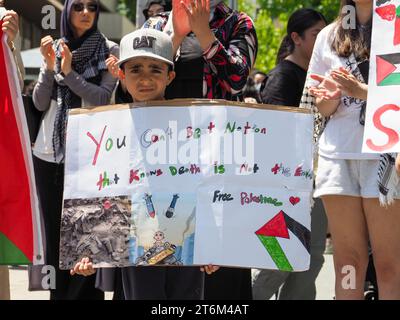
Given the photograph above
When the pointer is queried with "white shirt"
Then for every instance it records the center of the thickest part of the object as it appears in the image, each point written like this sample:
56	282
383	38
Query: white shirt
343	134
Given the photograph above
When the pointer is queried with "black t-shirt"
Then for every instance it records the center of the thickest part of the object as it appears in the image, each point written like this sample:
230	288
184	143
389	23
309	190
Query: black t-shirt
284	85
189	80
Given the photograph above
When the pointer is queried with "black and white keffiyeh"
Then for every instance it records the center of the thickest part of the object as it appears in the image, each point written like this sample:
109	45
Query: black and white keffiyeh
388	180
88	60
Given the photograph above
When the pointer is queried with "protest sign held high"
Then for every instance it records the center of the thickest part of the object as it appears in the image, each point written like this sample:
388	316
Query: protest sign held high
382	129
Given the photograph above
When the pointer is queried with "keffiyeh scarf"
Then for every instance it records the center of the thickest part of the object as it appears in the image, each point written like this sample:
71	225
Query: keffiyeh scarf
88	61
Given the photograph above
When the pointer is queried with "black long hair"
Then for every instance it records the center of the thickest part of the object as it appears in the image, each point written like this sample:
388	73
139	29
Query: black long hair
300	21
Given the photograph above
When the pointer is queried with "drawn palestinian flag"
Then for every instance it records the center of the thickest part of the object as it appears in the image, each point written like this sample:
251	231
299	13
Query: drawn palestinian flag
278	227
390	13
20	237
385	69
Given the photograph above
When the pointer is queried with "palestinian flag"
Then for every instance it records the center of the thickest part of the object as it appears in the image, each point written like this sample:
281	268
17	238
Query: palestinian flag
386	67
20	236
278	227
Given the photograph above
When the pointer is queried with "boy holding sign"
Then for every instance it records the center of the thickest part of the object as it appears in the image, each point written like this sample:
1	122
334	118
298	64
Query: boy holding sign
146	66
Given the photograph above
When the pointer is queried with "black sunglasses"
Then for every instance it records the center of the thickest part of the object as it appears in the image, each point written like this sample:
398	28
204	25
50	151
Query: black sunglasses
79	7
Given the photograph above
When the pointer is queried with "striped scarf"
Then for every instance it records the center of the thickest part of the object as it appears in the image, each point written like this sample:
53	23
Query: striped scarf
89	62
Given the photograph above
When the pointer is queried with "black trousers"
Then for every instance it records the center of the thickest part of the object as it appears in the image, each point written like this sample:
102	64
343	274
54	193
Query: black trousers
50	184
159	283
228	284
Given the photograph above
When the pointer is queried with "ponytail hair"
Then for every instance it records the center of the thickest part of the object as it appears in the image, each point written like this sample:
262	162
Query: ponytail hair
285	49
300	21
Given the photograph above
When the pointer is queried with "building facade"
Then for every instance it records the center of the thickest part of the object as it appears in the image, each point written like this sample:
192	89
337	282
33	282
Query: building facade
33	13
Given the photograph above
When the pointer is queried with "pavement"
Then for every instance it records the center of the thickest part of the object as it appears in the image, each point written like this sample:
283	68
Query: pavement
19	284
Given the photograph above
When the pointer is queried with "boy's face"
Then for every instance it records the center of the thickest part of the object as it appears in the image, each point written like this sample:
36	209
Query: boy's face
147	78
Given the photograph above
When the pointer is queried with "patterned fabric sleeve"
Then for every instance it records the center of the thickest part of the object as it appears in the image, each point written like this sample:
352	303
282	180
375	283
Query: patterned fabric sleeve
232	63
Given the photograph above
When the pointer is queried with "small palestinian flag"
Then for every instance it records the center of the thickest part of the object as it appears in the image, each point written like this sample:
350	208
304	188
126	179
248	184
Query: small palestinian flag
278	227
386	67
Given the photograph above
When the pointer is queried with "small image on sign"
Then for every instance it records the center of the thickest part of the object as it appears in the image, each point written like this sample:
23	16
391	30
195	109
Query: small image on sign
97	228
162	252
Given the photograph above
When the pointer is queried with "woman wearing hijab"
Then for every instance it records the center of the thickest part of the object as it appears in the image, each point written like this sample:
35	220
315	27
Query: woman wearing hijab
74	75
155	7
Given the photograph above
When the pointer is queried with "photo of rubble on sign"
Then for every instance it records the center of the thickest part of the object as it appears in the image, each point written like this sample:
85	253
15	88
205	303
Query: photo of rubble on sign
97	228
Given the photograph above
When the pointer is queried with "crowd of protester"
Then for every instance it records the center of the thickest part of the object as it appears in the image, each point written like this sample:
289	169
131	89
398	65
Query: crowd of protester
213	57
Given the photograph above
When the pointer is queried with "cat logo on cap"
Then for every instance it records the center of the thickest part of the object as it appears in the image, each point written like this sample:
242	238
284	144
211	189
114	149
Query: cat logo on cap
143	42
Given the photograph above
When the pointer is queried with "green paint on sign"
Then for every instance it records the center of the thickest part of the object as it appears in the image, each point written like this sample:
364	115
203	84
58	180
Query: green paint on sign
275	251
391	80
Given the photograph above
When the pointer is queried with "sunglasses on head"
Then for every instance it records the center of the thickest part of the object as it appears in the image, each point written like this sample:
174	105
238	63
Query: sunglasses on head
91	7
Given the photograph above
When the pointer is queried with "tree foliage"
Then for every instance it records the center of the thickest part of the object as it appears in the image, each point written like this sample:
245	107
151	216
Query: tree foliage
127	8
270	19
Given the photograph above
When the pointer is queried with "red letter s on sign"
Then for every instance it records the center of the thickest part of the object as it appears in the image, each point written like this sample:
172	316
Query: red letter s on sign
392	134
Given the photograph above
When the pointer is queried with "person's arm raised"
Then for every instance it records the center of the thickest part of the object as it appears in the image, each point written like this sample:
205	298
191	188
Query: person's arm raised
198	14
180	24
231	62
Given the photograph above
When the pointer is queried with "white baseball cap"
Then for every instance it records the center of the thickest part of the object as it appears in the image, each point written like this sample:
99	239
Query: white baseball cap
146	43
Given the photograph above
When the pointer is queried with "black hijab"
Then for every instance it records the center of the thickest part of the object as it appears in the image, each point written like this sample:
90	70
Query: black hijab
67	29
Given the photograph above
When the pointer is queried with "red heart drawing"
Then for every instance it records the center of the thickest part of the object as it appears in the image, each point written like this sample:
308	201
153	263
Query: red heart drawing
294	200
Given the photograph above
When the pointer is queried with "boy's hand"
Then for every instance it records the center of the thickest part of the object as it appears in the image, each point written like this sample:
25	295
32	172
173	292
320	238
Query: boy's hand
83	268
209	269
112	67
398	164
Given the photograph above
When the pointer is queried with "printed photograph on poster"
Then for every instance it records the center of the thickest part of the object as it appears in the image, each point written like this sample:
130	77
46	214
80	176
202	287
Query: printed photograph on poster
97	228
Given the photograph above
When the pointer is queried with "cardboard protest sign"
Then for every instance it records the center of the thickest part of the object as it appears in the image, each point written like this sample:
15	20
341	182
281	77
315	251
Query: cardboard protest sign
186	182
382	123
